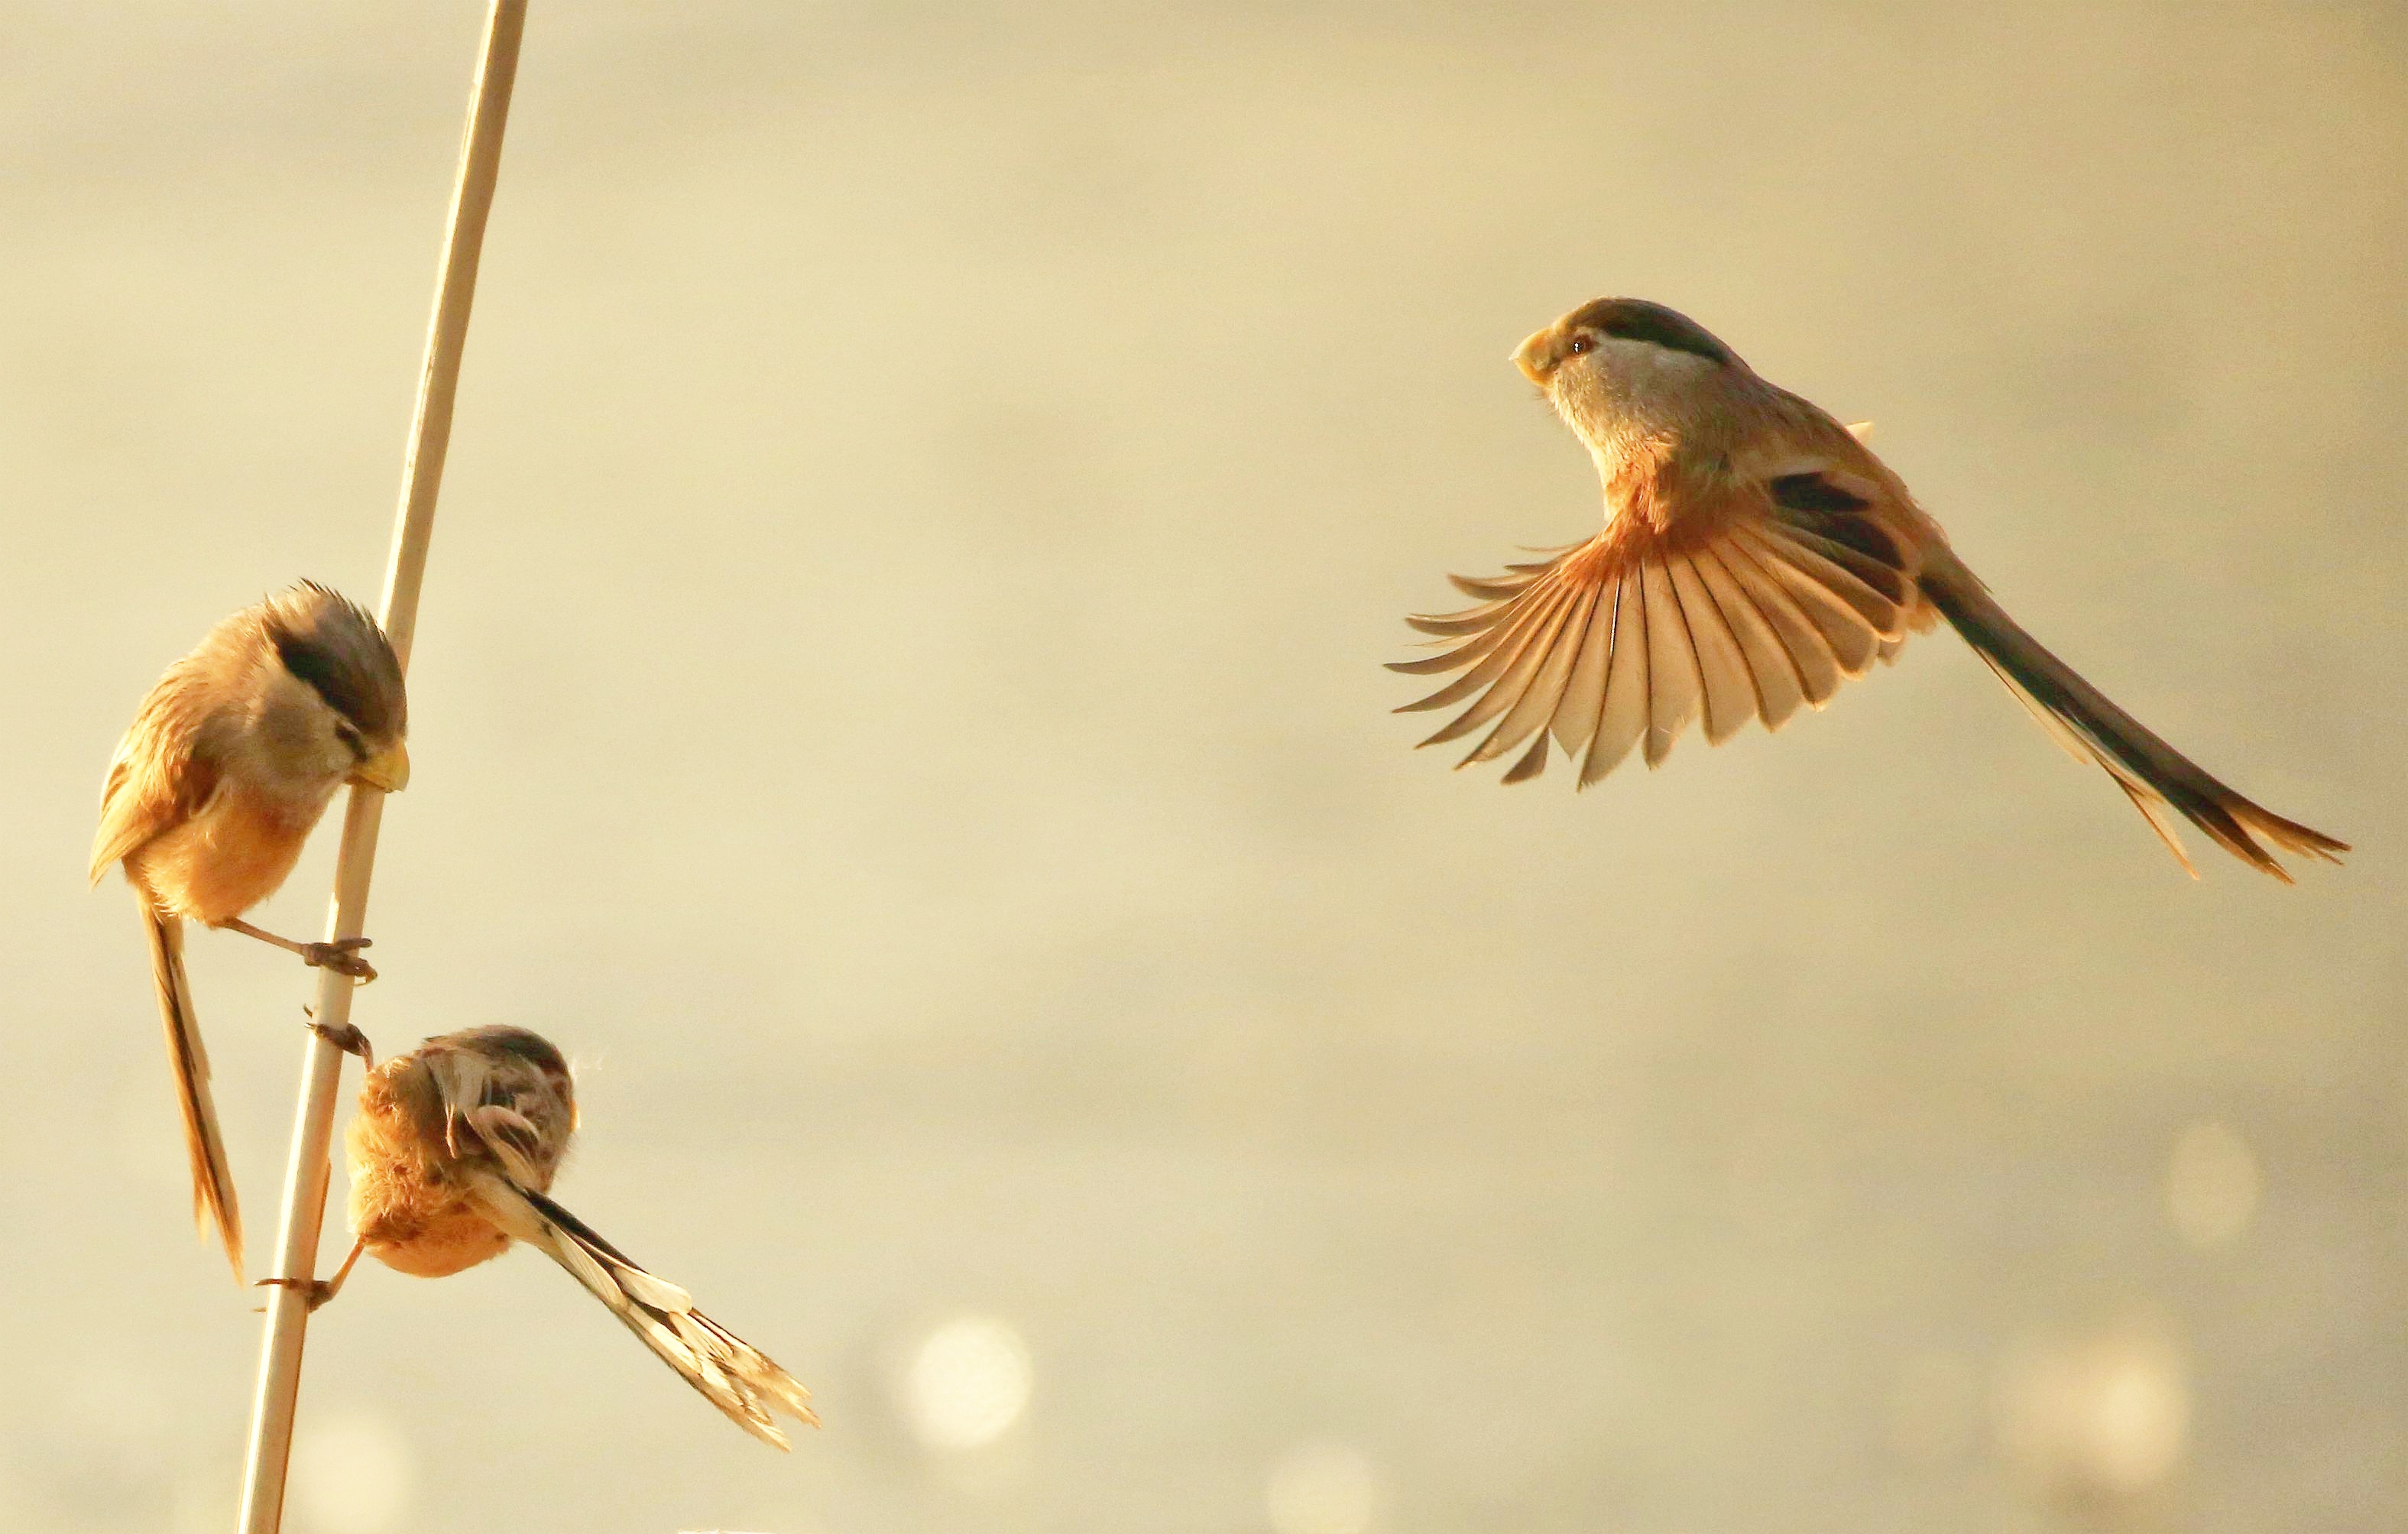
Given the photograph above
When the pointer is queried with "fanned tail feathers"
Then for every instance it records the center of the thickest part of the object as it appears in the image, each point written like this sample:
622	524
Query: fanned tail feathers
214	1194
730	1372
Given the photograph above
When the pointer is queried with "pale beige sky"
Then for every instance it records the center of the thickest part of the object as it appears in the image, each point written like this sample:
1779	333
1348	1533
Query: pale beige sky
897	700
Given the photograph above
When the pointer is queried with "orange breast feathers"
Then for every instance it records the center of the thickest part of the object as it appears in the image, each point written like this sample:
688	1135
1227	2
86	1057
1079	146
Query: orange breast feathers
227	859
408	1205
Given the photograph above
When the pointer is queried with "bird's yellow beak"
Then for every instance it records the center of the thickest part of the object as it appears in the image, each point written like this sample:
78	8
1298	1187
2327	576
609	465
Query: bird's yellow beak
1532	357
388	770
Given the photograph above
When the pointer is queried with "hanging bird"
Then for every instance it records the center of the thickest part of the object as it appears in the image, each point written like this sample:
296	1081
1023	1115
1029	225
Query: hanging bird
1755	555
229	762
451	1159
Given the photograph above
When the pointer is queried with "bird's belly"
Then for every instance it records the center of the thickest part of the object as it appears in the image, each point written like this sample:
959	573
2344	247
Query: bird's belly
432	1242
224	860
407	1208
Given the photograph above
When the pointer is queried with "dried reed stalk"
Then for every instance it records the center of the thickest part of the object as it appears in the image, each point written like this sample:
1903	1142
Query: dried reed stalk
307	1172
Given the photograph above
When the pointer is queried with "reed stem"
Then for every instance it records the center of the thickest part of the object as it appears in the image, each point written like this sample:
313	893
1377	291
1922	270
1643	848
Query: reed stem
308	1170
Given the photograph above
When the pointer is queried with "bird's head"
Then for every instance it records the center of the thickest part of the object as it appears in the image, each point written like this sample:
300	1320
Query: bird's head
1613	360
332	708
507	1047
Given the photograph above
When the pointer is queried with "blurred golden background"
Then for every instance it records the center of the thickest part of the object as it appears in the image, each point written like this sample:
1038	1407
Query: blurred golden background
897	700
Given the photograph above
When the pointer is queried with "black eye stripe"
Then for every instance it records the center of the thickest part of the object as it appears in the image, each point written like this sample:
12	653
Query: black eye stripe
1679	336
1637	320
339	652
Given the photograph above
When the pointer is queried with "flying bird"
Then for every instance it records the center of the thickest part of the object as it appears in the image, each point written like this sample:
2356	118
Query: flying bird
229	762
451	1159
1755	555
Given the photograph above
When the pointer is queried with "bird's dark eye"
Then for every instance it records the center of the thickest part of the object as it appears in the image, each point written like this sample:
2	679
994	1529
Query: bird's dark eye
350	737
1581	342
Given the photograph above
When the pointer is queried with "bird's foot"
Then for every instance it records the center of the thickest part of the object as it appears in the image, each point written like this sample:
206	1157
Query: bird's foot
343	1035
313	1291
342	956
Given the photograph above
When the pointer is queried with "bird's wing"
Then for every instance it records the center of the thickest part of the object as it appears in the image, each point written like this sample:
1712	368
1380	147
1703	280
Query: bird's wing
161	776
731	1373
1761	598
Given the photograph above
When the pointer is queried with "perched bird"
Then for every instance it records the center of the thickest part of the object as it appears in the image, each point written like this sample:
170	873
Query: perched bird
451	1159
228	765
1755	553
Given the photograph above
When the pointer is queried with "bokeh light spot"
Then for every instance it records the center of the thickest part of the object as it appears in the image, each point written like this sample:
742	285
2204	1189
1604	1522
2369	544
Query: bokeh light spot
1322	1488
968	1382
2102	1420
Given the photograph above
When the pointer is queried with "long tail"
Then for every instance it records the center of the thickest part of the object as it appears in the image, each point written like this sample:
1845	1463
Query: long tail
734	1376
213	1178
2156	776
